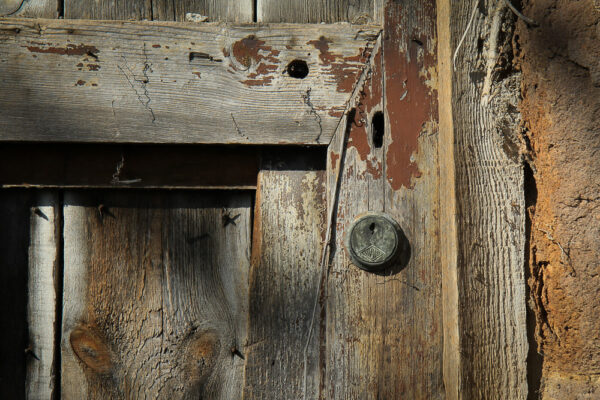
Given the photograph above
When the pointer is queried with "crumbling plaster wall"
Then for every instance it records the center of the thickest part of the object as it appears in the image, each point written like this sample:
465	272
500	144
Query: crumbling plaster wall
560	63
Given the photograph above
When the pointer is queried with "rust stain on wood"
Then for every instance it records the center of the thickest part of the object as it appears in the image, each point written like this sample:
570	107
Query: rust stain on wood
411	103
69	50
345	70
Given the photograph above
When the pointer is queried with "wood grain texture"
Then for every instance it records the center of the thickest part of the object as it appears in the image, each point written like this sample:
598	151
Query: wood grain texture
384	331
155	295
411	146
215	10
355	336
29	8
108	9
160	10
448	222
86	81
315	11
490	207
288	234
43	276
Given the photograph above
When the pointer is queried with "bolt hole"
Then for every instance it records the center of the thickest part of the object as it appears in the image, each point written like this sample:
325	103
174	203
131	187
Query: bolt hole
378	129
372	228
297	69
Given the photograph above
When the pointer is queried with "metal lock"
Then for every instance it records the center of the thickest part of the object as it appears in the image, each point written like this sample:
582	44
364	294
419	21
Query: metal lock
373	241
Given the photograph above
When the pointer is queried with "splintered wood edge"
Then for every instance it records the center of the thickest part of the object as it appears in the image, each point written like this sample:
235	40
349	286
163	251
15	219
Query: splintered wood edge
292	111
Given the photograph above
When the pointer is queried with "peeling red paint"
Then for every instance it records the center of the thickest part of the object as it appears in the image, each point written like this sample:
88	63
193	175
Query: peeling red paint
334	158
345	70
93	67
264	70
370	101
323	46
410	103
156	46
198	74
358	135
256	57
80	83
70	50
374	168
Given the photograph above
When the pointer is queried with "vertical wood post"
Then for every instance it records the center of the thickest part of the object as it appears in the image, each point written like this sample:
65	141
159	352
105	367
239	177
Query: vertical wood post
483	209
384	331
448	235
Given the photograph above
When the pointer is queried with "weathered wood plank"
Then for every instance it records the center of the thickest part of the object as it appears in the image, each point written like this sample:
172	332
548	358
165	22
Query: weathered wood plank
490	205
315	11
448	222
29	8
43	277
412	192
84	81
384	331
215	10
155	296
160	10
287	240
354	333
108	9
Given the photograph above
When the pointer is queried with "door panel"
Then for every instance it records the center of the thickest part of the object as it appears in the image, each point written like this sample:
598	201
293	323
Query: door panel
284	278
155	294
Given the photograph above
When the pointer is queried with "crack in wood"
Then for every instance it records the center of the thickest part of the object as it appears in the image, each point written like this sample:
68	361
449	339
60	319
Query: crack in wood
143	82
308	102
237	128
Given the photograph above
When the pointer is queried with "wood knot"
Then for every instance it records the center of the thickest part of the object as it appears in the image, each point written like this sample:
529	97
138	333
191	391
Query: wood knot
202	351
91	349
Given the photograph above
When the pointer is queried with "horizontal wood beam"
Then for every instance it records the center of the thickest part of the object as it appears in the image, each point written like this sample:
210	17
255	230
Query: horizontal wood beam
88	165
166	82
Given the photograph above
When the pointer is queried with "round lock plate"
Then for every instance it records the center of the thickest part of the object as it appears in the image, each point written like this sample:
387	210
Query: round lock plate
373	241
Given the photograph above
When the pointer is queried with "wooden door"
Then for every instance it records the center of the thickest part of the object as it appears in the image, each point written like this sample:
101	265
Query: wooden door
246	291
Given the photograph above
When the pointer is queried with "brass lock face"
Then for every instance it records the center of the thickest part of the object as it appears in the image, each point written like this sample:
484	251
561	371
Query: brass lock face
373	241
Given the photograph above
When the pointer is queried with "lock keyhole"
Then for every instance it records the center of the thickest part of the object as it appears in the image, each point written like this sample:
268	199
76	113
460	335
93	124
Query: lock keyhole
374	241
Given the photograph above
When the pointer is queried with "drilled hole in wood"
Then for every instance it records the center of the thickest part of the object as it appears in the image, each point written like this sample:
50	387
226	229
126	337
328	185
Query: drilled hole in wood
378	129
297	69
